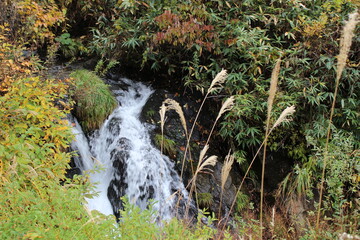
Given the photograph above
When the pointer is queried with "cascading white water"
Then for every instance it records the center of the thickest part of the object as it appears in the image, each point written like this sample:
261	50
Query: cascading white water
132	166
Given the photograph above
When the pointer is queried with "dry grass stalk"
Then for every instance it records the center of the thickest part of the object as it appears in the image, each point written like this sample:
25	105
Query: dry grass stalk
255	156
226	169
272	92
345	44
202	164
229	160
210	161
162	113
272	222
174	105
227	106
202	153
216	84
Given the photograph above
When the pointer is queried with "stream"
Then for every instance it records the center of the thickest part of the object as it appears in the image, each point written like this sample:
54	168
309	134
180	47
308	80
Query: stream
121	160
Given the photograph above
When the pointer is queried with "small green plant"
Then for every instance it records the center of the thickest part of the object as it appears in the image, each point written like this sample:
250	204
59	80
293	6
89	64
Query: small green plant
168	145
205	199
242	201
150	113
102	67
94	100
70	47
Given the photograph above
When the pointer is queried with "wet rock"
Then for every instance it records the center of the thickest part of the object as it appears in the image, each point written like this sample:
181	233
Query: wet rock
114	126
173	129
118	185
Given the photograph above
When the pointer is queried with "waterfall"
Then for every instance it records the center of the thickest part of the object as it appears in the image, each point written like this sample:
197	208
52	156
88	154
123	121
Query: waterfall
129	164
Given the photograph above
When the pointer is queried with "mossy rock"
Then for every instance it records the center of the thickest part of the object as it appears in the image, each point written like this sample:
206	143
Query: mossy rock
94	100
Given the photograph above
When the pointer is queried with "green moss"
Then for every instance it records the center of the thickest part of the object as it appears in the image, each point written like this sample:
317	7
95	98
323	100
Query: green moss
94	100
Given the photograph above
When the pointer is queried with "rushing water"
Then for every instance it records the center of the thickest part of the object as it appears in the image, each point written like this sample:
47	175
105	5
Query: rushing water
130	164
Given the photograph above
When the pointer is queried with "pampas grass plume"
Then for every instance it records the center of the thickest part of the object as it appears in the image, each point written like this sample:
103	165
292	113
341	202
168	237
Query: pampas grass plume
284	116
345	42
273	86
218	81
174	105
162	113
226	169
210	161
203	152
227	106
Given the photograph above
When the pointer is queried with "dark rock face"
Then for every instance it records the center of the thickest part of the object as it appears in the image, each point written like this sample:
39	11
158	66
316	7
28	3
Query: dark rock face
173	128
211	183
117	186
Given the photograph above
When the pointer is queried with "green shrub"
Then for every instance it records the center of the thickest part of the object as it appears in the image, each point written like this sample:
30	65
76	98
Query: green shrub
94	100
140	224
70	47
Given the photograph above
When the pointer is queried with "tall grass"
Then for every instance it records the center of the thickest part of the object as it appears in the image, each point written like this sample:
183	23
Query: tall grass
94	100
284	117
203	161
203	164
215	85
345	44
272	92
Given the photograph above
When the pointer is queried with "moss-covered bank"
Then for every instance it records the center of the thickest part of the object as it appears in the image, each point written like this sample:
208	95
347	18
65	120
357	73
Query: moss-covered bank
94	100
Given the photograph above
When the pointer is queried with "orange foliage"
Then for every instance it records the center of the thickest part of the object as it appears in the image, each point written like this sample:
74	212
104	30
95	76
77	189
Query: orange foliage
39	18
34	25
179	31
13	64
